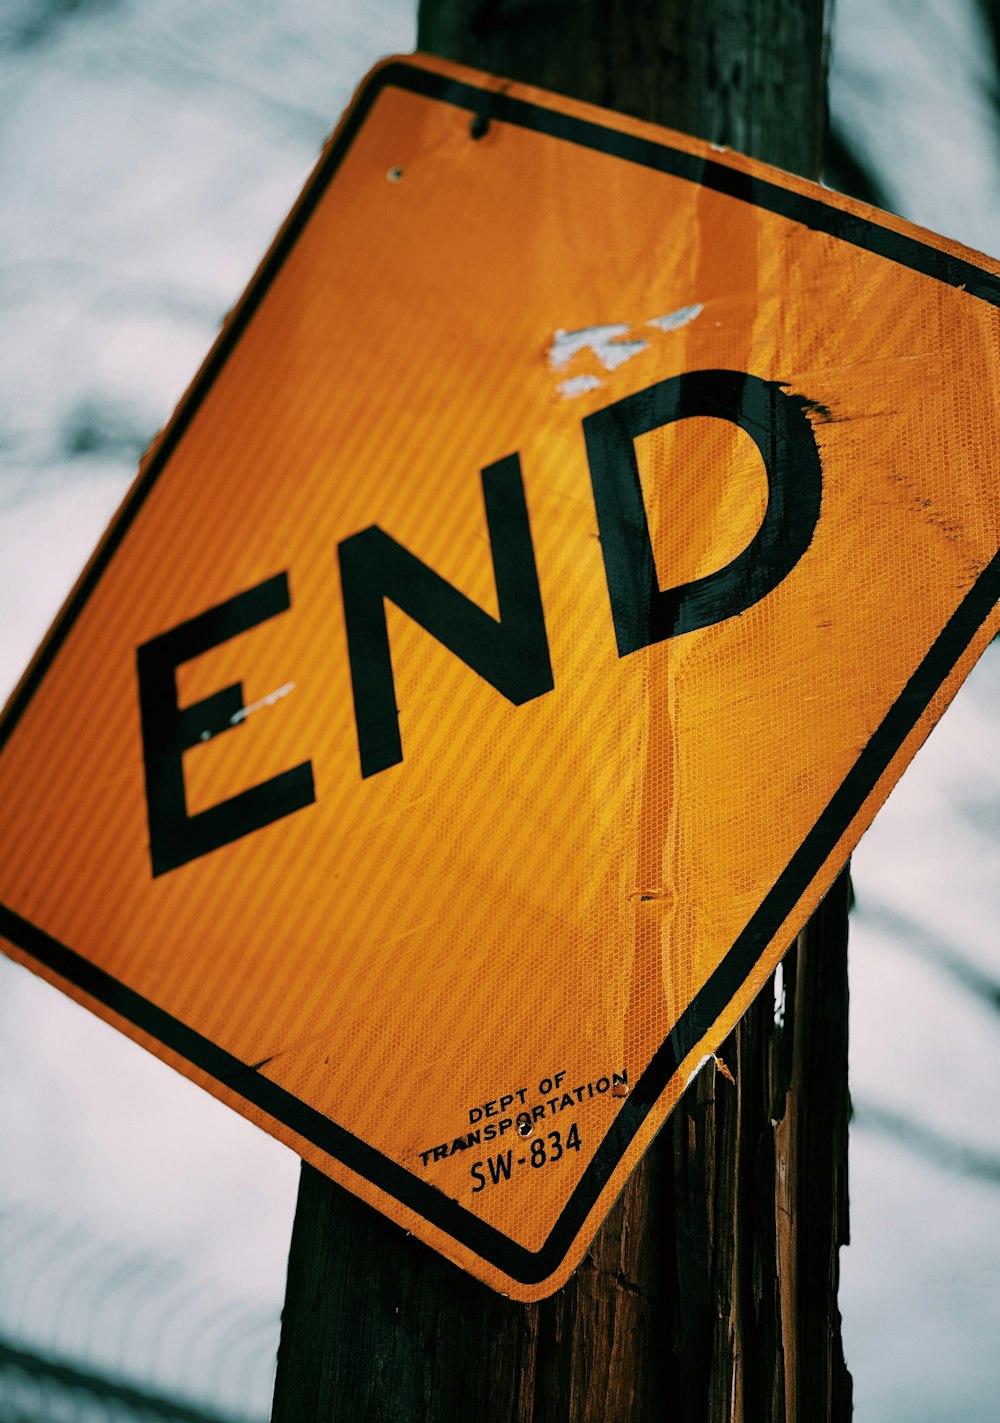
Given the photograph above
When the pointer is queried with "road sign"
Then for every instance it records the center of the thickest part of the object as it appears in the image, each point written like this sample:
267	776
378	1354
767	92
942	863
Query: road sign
571	536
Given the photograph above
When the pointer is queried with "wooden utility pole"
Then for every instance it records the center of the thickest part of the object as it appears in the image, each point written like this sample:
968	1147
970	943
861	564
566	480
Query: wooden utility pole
710	1294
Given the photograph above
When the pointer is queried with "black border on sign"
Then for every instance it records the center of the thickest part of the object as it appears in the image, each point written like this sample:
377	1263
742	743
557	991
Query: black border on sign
526	1266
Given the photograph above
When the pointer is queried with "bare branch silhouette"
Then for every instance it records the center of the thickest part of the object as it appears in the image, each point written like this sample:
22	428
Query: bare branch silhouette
846	169
954	1156
934	950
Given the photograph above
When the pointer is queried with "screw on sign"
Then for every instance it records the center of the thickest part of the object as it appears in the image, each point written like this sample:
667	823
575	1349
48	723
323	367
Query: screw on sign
570	538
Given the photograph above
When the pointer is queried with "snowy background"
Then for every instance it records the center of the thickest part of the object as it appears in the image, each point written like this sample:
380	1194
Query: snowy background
148	151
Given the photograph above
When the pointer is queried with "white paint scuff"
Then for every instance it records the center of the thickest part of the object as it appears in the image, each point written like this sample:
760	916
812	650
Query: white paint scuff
605	342
609	344
578	385
674	320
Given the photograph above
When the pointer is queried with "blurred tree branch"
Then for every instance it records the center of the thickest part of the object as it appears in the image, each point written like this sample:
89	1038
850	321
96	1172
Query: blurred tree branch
990	11
934	950
932	1145
846	168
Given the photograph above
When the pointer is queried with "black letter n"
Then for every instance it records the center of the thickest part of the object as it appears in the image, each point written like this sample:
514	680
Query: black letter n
511	653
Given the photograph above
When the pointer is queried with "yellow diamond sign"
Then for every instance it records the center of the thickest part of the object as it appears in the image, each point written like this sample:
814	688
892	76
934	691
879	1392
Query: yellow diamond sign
570	538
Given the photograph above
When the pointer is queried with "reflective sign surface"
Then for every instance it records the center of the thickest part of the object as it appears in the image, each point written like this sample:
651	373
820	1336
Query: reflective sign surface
571	537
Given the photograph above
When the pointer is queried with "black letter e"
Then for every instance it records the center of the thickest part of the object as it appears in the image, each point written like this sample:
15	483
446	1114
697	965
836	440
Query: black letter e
169	730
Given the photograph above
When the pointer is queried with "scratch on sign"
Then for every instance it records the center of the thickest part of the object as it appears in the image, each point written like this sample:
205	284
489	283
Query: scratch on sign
244	712
267	701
